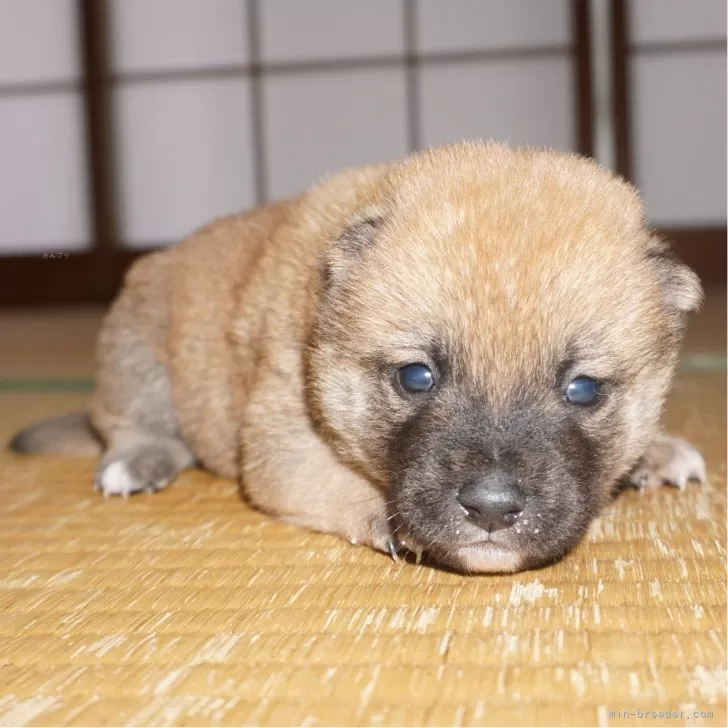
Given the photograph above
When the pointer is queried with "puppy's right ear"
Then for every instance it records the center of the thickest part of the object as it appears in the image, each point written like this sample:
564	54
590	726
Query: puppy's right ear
352	244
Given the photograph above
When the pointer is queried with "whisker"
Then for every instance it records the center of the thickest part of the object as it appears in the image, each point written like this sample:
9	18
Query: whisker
359	502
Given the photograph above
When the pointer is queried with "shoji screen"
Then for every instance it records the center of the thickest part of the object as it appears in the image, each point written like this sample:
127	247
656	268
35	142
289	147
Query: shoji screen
333	88
499	69
181	115
238	102
678	101
126	124
43	181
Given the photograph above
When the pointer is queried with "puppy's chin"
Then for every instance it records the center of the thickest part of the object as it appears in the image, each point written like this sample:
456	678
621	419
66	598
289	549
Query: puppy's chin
485	558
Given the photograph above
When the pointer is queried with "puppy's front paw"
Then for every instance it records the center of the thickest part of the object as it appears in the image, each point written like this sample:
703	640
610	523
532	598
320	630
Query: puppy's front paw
381	533
390	539
668	461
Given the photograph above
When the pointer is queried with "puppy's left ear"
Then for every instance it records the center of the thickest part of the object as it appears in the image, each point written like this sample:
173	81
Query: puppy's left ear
680	284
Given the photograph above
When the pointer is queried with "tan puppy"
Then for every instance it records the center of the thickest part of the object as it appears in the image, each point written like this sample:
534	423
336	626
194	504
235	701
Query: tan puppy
462	352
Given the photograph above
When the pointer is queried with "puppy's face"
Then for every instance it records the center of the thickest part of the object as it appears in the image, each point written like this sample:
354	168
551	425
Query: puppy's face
493	345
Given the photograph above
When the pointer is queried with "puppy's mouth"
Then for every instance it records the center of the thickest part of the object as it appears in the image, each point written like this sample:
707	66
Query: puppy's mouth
483	555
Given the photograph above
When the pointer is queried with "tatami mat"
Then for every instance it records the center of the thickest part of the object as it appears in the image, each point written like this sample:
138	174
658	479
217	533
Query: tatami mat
187	608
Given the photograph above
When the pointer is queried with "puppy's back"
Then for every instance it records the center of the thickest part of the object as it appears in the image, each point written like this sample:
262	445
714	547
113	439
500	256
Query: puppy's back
182	301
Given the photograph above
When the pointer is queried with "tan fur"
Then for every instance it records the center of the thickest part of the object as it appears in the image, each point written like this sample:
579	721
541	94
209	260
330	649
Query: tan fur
512	253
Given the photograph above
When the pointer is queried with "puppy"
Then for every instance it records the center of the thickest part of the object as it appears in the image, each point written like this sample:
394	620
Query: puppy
460	353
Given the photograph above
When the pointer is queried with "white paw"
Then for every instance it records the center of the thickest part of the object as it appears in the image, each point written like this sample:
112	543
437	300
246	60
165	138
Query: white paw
115	479
669	461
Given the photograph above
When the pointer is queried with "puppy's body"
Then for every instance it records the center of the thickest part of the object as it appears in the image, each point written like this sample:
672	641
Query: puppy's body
270	347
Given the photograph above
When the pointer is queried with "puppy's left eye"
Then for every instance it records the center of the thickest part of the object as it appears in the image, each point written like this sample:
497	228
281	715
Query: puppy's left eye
584	391
416	378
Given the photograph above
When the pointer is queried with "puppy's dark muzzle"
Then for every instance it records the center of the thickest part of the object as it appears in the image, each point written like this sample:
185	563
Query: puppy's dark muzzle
492	502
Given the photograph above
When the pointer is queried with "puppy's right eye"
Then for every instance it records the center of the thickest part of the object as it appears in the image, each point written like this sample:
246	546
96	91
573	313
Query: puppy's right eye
416	378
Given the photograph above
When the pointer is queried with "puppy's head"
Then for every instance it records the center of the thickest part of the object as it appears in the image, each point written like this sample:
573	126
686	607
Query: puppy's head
493	343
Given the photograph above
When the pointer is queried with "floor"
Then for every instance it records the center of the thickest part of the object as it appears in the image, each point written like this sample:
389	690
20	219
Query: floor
187	608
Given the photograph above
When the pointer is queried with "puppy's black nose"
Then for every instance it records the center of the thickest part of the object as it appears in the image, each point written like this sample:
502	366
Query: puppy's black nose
493	502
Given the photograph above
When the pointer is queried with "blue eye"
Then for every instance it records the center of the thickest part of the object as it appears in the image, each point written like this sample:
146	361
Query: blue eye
583	390
416	378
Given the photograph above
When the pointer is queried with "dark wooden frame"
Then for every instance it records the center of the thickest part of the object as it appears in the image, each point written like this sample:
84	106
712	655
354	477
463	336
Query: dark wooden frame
95	276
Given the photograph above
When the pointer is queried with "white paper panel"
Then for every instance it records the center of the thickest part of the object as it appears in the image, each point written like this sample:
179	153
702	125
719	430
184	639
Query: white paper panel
166	34
184	155
679	124
457	25
38	41
521	101
296	30
323	122
43	190
669	20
